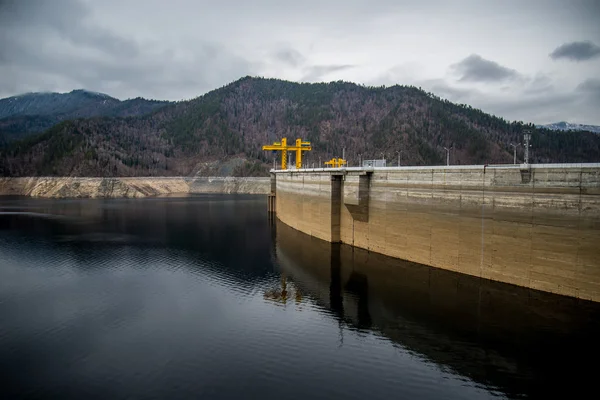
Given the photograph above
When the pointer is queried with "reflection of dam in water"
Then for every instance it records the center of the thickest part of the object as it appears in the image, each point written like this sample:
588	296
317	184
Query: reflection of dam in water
519	341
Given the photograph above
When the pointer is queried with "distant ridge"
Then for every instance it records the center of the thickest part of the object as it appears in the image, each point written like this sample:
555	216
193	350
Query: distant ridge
79	101
566	126
32	113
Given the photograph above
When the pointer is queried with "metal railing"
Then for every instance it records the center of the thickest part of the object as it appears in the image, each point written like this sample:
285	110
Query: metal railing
448	167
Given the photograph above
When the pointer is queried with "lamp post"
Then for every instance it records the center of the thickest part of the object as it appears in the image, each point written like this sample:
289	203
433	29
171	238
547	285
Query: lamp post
447	155
526	139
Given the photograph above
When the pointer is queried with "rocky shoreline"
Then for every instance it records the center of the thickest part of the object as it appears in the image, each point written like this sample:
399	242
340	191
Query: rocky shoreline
83	187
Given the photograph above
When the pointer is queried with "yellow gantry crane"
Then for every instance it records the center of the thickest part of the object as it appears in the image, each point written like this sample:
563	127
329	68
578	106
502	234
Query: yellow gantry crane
284	148
336	162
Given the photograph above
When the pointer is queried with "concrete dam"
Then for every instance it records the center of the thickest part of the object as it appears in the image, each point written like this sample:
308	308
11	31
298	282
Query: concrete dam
536	226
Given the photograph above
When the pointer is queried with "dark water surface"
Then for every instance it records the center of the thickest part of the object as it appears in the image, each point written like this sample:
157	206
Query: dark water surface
205	297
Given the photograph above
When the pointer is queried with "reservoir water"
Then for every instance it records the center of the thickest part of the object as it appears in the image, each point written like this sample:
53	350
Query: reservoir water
207	297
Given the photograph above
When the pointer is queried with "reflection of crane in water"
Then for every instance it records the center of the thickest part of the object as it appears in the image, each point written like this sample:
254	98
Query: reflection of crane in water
282	294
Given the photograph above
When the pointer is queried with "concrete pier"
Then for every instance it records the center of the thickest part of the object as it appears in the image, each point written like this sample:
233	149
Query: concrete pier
536	226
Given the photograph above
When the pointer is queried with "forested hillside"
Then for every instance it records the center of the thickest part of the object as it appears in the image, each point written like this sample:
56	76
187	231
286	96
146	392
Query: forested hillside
233	122
24	115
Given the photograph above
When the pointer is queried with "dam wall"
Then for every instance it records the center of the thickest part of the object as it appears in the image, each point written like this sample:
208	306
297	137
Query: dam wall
536	226
130	187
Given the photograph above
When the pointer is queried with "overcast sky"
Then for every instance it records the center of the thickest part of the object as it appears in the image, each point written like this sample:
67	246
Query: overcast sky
534	60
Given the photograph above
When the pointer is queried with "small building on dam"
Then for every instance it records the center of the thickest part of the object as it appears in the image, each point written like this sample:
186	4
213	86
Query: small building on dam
536	226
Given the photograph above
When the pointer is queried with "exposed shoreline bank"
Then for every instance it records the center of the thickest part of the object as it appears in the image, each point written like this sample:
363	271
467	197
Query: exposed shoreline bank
128	187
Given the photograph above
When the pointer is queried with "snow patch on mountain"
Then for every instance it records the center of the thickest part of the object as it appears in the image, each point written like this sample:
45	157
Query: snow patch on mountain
567	126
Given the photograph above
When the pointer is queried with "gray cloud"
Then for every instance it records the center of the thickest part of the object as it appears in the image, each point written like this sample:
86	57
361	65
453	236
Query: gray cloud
55	46
290	56
65	19
540	109
530	99
576	51
591	85
317	73
536	99
475	68
445	90
590	89
540	83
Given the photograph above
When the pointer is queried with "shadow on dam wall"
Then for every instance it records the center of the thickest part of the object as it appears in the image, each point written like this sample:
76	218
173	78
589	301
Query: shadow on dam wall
517	340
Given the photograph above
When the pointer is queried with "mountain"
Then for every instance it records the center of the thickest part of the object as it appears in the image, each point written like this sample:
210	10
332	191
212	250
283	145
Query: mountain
31	113
233	122
566	126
